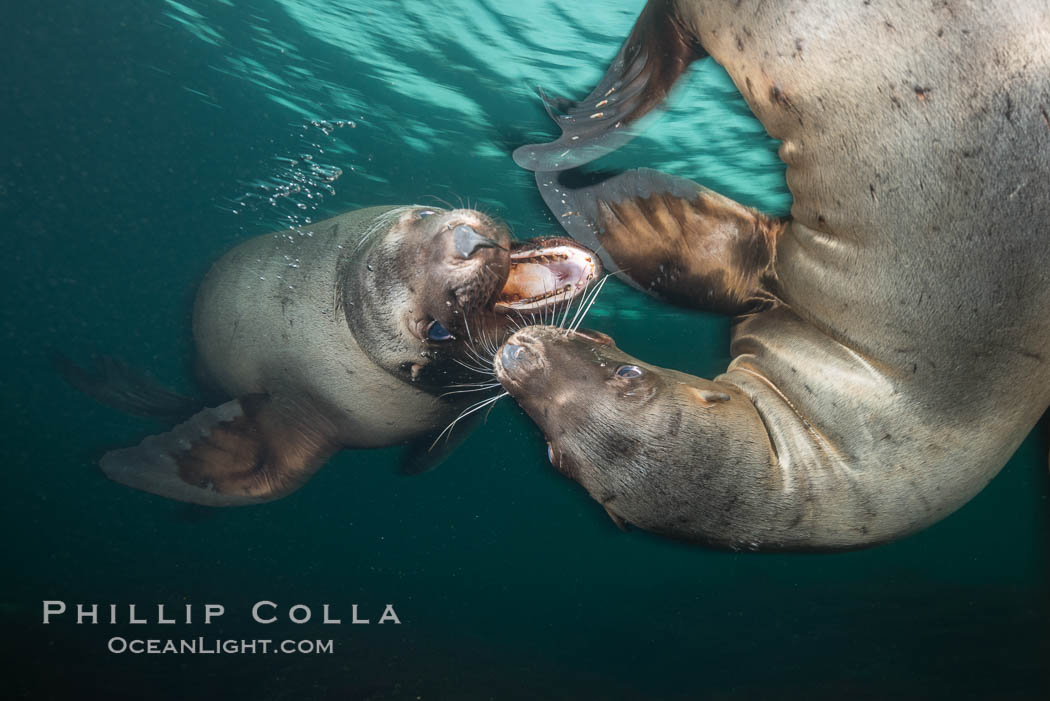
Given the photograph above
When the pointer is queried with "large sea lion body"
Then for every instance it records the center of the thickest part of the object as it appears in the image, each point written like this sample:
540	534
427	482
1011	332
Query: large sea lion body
269	319
893	348
351	333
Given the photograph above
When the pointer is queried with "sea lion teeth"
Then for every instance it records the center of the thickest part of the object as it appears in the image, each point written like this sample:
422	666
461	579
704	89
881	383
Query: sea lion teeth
557	272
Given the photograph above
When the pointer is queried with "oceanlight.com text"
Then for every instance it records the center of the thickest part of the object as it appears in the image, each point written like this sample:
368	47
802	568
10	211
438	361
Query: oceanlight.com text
214	646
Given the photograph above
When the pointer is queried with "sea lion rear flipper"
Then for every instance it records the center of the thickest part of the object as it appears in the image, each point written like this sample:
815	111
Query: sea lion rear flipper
671	237
657	52
117	384
246	451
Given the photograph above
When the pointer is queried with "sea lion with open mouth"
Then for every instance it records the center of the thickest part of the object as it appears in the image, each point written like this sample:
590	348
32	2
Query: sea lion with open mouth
893	346
345	334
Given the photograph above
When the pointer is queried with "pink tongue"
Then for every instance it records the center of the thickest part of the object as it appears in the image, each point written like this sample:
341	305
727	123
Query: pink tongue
564	272
538	278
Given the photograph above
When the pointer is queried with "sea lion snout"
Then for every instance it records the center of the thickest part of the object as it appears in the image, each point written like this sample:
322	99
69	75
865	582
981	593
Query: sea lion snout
531	357
469	260
454	277
468	241
520	357
597	407
469	231
462	235
510	356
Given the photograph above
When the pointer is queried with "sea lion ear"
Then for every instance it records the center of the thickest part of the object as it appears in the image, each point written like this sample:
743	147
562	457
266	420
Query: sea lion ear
707	397
657	52
598	337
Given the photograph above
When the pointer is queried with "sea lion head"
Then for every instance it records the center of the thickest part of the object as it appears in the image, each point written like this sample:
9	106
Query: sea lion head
607	416
428	289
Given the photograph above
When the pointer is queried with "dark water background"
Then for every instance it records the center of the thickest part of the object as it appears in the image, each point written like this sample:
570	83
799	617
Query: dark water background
133	130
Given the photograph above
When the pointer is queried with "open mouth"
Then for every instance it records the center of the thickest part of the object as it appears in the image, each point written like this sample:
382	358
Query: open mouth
544	272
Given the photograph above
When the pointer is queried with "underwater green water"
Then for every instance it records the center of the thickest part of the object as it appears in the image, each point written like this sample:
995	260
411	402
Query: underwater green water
142	139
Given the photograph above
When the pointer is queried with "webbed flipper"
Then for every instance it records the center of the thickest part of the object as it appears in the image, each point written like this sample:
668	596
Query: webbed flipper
117	384
672	238
428	452
657	52
616	519
246	451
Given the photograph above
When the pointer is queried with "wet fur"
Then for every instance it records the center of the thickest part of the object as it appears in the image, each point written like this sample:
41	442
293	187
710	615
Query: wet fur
904	356
705	250
316	335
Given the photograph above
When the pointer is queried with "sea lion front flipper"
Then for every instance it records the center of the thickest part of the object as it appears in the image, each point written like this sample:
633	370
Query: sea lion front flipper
657	52
617	520
671	237
246	451
428	452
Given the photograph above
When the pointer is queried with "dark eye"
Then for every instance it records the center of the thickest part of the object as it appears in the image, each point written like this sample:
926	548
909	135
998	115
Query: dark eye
628	371
437	332
424	213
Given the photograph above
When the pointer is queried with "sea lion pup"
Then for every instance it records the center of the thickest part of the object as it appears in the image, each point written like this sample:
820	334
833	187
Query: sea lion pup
893	348
349	333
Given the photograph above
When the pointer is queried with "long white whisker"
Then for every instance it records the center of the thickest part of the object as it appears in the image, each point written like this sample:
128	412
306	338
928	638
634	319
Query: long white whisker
468	362
480	386
490	346
473	384
465	391
583	303
444	202
467	412
550	309
594	298
479	370
493	406
483	359
466	323
473	352
593	293
565	312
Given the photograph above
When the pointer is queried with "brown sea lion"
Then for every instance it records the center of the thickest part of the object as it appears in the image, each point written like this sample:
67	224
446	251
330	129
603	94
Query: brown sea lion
347	334
894	343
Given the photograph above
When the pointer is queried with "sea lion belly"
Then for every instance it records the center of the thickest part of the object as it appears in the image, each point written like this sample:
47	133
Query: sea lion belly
915	149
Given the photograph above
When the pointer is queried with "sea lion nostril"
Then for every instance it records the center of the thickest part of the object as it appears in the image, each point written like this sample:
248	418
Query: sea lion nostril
468	241
511	355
